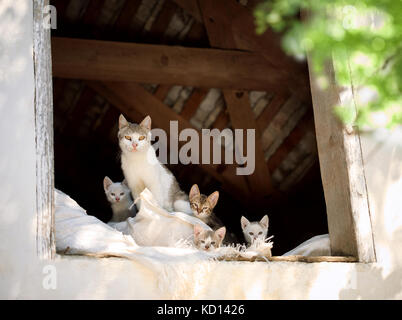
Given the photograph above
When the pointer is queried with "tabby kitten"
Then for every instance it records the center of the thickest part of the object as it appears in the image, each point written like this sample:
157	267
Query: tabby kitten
142	168
118	195
208	240
203	206
253	231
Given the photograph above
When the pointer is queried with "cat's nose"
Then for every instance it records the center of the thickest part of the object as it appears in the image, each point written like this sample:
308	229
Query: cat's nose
135	145
207	247
117	199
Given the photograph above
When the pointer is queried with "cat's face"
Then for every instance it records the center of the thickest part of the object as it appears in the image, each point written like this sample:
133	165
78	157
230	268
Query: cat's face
115	191
201	205
134	137
208	240
255	230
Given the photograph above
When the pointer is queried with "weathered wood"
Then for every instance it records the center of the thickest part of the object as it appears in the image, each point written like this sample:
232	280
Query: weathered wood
242	117
191	7
117	61
270	111
342	172
161	92
45	242
191	105
303	259
291	141
231	25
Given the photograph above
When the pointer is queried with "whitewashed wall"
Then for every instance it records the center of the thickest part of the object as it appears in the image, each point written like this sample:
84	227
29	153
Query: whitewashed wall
21	273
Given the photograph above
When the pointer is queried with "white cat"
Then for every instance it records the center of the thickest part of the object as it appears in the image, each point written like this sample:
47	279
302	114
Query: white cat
253	231
118	195
142	168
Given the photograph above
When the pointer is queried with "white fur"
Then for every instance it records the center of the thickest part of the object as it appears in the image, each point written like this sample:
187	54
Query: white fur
118	195
142	169
255	231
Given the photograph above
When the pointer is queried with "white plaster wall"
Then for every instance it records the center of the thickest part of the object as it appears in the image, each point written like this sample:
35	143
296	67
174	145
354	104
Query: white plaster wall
21	273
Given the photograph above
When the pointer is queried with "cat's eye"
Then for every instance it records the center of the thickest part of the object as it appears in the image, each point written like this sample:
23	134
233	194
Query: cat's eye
202	241
141	138
122	194
112	194
128	138
213	242
250	233
260	232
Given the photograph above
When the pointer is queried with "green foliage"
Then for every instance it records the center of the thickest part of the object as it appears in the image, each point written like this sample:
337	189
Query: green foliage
364	38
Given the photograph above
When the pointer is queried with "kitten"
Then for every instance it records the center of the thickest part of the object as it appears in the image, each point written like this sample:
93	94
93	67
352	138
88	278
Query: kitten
203	206
142	168
254	230
208	240
118	195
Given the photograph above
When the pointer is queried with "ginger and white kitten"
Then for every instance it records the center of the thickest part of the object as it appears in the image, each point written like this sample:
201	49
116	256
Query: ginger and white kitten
202	207
208	240
253	231
118	195
142	168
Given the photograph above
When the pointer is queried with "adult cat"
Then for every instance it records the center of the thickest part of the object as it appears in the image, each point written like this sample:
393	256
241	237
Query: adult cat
142	168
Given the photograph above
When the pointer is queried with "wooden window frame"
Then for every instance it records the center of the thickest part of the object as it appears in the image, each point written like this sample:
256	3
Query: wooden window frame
339	148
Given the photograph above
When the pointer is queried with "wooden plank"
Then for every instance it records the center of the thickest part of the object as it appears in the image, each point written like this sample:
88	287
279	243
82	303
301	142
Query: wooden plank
290	142
221	121
192	103
242	117
342	172
136	102
92	11
270	111
125	17
45	234
117	61
162	21
240	113
161	92
191	7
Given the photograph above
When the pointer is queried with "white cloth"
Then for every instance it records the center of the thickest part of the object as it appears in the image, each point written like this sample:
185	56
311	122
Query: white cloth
313	247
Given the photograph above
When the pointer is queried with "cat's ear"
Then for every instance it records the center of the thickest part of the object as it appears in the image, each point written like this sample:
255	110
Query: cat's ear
146	123
264	221
122	122
221	233
194	192
213	199
107	183
197	230
124	182
244	222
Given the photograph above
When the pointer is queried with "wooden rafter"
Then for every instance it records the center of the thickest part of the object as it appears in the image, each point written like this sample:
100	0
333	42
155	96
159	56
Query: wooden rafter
240	112
117	61
234	26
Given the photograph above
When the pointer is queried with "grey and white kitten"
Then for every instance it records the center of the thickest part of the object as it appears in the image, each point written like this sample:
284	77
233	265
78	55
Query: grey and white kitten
208	240
118	195
255	231
202	207
142	168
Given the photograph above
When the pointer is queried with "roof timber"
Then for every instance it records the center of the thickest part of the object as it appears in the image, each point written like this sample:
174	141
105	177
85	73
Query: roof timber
117	61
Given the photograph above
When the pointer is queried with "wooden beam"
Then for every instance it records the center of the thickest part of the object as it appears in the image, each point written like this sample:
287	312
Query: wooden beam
342	171
233	28
117	61
242	117
305	124
192	103
270	111
136	102
191	7
241	114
